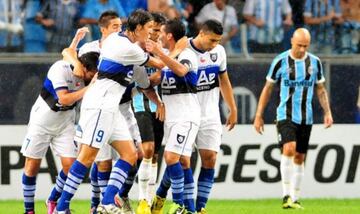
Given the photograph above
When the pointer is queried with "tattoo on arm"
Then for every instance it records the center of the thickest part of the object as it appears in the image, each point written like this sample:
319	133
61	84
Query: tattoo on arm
323	99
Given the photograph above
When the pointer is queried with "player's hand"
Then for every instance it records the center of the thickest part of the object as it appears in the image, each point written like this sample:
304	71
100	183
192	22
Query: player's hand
231	120
259	124
153	47
80	33
328	120
259	23
160	112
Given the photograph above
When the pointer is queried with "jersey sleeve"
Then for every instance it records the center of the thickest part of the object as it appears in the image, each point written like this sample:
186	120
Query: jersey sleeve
274	71
223	62
189	59
136	56
320	78
141	77
57	76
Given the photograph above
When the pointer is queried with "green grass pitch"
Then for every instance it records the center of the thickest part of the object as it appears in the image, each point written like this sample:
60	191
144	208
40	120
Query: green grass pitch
270	206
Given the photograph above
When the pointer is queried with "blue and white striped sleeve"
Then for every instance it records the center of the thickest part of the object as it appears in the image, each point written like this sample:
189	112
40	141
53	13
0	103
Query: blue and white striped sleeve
273	73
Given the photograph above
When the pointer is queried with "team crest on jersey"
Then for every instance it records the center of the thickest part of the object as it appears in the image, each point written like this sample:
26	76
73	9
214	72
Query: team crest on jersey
310	70
213	57
180	138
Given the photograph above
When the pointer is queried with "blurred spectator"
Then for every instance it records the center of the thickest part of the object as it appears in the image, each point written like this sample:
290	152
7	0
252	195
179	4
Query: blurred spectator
225	14
351	27
319	16
131	5
194	6
34	33
58	17
10	25
266	24
92	11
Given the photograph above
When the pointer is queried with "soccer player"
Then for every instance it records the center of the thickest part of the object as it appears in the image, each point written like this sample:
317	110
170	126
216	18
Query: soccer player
100	119
298	73
151	130
178	88
52	123
212	78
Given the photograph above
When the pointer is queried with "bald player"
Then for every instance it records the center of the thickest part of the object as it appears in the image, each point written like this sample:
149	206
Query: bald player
299	74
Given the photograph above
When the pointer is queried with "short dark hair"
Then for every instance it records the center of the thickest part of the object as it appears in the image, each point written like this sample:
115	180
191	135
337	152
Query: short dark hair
213	26
159	18
106	16
90	60
176	28
138	17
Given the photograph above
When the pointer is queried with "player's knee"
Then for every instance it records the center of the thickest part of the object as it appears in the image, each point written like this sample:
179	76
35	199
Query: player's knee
185	162
148	148
130	157
104	166
208	159
31	167
66	164
155	158
299	158
171	158
289	149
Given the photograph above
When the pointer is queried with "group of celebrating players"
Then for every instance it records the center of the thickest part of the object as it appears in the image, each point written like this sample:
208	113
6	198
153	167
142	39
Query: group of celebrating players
119	80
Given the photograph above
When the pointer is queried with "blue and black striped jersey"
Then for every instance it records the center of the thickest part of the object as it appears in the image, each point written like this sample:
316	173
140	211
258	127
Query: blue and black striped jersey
296	78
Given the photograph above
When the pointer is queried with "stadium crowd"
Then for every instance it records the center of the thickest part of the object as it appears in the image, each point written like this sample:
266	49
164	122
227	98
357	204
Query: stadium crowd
38	26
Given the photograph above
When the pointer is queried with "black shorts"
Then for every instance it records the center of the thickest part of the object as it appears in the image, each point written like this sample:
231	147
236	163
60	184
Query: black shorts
289	131
151	129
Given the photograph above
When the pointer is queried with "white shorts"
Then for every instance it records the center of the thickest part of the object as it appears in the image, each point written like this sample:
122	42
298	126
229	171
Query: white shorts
209	135
98	127
105	153
38	140
179	137
131	121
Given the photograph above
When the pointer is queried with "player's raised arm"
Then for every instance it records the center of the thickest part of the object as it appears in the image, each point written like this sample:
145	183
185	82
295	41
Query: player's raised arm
70	54
263	101
227	93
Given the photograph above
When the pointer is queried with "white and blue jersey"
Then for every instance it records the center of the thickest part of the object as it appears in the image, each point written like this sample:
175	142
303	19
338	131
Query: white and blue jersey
179	93
118	55
47	112
211	65
297	79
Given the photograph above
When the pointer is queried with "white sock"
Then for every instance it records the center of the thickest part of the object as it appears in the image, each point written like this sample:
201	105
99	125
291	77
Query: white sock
296	181
144	176
152	182
286	170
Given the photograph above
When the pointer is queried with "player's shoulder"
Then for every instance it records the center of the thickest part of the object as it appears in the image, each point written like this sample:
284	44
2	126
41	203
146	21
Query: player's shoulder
218	49
281	56
312	56
188	53
60	67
